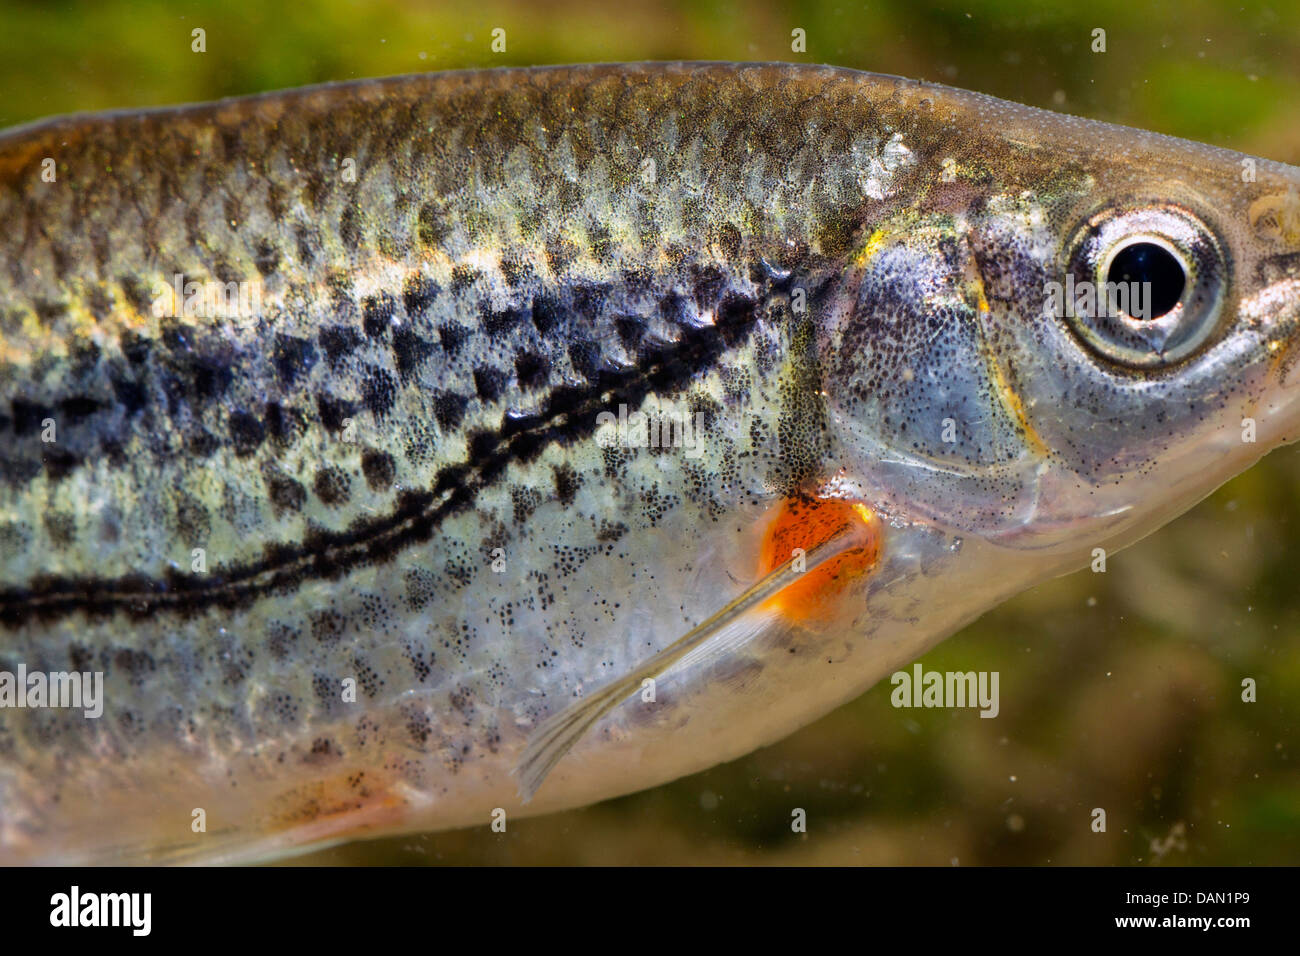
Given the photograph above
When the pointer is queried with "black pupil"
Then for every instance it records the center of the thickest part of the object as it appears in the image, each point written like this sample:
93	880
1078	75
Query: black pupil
1154	265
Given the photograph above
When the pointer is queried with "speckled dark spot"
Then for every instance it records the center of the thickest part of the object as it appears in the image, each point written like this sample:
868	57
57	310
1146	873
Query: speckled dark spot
567	483
452	337
338	341
421	586
418	295
280	640
333	486
202	444
410	350
630	331
28	417
59	462
377	315
560	253
449	410
78	408
136	347
326	626
193	524
266	259
503	322
379	391
531	369
334	412
585	359
283	424
489	382
131	395
432	227
463	276
379	469
546	313
246	432
293	357
135	664
516	272
285	493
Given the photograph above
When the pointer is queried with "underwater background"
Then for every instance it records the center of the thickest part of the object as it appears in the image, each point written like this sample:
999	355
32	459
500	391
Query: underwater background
1119	690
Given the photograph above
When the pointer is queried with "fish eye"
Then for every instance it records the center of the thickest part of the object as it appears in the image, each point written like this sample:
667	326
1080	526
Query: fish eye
1155	266
1143	286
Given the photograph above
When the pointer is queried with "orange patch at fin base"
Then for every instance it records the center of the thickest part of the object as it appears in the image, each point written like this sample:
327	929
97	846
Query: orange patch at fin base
803	524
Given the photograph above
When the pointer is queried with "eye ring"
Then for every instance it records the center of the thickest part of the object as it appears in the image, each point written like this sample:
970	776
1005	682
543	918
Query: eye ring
1144	286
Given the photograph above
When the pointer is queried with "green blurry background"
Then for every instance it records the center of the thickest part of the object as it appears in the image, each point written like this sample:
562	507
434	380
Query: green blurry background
1119	690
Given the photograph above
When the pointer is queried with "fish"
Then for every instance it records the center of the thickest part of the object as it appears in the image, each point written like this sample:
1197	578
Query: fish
430	451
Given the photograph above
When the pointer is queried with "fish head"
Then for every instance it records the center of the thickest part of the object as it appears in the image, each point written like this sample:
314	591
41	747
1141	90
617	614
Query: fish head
1077	332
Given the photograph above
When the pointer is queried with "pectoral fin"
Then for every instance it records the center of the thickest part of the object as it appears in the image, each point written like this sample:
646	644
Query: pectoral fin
819	536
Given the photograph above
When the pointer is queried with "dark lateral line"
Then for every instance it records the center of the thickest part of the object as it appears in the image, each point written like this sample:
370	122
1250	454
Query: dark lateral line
570	414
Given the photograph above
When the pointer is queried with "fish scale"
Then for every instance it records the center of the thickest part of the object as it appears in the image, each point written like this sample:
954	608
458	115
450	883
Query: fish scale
422	535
